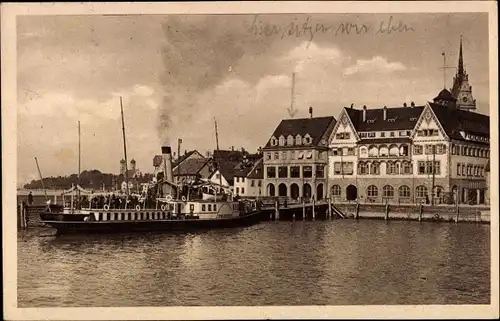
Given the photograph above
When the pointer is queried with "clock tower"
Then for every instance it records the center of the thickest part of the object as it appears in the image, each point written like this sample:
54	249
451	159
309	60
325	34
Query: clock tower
461	90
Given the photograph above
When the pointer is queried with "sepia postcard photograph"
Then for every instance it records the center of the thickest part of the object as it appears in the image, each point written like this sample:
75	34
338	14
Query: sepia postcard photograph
250	160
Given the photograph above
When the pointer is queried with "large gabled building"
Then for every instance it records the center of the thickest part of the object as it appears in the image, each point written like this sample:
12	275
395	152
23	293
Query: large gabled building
295	158
367	148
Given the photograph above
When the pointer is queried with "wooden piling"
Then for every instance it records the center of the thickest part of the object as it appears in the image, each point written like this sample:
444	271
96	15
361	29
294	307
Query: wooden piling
303	209
420	213
357	210
386	211
277	211
313	209
21	215
329	210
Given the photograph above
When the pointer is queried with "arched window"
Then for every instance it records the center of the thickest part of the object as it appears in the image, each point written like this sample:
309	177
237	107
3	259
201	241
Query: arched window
404	191
298	140
363	168
373	151
336	190
274	141
391	168
307	139
383	150
393	150
404	150
372	191
375	168
282	140
363	151
289	140
406	168
388	191
421	191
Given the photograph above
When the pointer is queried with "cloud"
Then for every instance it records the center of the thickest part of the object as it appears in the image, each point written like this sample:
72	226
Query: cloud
309	54
377	64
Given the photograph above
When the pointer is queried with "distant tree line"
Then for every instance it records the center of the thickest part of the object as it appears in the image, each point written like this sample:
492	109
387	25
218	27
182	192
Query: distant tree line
92	179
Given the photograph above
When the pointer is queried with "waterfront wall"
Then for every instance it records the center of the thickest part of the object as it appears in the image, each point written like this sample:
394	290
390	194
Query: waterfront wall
417	212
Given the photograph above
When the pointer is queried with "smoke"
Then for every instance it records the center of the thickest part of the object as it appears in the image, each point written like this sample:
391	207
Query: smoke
198	53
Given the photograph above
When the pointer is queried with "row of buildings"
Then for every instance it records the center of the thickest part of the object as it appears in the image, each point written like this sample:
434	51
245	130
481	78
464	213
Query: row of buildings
433	153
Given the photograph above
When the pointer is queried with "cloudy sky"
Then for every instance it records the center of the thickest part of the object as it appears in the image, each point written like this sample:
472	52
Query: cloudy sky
176	73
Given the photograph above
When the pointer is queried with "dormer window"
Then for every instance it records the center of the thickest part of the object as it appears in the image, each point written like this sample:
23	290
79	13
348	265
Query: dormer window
413	119
307	139
370	121
289	140
274	141
282	140
298	140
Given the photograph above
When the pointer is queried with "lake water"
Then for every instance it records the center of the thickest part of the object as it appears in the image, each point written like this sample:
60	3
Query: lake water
341	262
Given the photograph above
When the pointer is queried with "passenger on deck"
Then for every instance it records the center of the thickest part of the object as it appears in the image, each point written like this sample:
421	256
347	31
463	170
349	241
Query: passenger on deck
30	198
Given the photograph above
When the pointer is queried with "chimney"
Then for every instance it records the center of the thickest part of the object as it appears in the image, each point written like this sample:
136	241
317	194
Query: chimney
311	111
364	113
167	160
352	106
412	104
232	148
385	112
405	105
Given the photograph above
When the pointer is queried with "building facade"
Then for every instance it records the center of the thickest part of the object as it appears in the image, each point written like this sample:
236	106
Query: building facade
295	158
431	154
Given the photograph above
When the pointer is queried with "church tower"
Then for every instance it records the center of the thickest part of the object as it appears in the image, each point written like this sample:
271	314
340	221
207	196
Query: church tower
461	90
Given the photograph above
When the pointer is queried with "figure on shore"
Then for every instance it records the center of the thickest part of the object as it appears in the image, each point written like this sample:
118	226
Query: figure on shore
30	199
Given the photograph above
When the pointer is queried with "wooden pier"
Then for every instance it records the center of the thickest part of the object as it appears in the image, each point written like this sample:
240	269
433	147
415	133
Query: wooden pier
305	210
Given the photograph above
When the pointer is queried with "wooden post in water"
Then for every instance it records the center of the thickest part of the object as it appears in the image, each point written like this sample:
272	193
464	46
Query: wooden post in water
313	209
277	211
420	212
22	214
303	209
329	211
386	211
357	210
457	209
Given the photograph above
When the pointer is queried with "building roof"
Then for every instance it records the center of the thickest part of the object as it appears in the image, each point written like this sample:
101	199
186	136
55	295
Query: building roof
487	167
184	157
190	167
226	168
228	155
257	172
445	95
456	120
398	118
316	128
242	171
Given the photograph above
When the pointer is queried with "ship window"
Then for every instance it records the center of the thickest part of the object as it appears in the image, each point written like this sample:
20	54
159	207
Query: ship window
215	207
209	207
191	207
203	208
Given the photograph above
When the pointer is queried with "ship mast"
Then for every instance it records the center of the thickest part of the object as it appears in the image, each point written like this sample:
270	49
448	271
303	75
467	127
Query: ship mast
79	164
218	163
124	150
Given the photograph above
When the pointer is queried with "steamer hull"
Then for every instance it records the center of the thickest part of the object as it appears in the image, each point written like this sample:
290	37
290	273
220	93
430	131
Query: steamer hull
69	225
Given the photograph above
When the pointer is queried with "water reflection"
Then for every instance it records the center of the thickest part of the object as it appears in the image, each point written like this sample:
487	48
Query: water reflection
275	263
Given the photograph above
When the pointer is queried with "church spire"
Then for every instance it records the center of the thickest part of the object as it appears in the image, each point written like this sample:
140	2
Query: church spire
460	59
